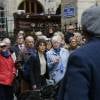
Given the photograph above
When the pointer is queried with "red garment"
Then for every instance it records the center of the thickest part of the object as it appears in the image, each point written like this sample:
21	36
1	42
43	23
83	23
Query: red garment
7	70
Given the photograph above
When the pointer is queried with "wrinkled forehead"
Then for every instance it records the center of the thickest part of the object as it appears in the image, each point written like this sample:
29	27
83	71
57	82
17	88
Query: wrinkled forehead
29	38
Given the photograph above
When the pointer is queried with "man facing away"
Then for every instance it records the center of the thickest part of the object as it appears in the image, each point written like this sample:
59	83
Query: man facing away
82	78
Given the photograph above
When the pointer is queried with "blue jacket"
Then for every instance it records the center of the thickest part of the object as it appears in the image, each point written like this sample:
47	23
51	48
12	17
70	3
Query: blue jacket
57	70
82	79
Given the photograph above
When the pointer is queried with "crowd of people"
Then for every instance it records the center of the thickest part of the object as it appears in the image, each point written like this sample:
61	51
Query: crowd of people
63	60
37	60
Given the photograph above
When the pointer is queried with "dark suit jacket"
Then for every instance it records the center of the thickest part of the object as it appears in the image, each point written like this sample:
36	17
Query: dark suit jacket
19	55
82	78
34	63
16	49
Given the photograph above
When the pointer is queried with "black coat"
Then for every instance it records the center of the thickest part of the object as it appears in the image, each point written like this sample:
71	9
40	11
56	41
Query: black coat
16	49
82	78
35	71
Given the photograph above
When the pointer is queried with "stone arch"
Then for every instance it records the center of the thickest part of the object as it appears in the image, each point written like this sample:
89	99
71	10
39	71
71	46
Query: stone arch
40	8
58	11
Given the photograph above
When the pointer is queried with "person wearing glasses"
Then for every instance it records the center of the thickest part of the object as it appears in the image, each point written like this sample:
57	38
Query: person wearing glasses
7	73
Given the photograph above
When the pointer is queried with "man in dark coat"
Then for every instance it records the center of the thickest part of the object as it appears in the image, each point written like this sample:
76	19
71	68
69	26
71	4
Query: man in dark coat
82	78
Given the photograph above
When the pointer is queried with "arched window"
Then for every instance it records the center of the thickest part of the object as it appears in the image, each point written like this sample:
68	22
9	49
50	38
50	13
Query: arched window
31	6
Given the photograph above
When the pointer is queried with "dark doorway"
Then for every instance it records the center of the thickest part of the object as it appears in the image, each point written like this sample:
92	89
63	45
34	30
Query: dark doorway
58	11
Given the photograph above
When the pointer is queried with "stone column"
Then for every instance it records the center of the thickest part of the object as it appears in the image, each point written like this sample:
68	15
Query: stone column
10	7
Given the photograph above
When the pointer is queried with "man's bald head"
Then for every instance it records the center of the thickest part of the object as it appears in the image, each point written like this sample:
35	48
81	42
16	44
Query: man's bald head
29	41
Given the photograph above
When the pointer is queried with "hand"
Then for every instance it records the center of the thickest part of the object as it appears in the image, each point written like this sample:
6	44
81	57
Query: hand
34	87
55	59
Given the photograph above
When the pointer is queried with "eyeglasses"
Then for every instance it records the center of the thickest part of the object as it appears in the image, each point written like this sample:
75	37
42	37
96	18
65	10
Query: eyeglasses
3	46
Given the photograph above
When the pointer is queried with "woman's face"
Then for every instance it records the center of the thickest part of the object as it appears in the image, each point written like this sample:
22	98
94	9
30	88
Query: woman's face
56	44
73	43
42	47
